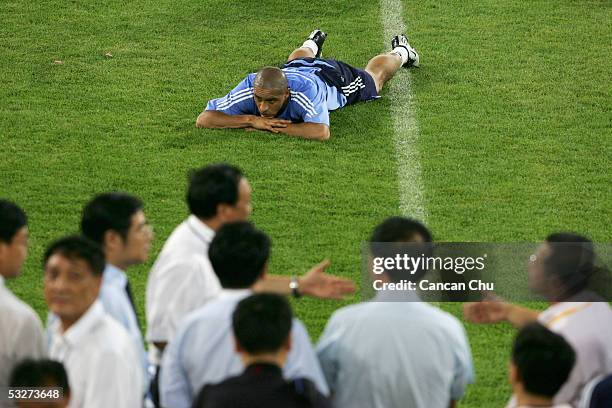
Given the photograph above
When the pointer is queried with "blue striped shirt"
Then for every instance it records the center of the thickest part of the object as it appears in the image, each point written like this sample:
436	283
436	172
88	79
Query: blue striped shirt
311	98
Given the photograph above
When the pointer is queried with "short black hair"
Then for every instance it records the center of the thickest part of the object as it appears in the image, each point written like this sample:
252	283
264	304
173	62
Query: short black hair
238	254
210	186
572	261
12	219
400	229
109	211
262	323
543	359
78	247
397	235
40	373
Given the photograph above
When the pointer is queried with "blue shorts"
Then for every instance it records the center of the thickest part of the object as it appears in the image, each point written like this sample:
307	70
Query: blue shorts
354	83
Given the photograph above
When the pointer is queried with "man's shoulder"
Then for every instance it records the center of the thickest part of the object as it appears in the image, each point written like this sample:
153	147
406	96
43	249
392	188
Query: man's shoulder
295	392
16	311
180	239
183	248
212	316
416	313
354	312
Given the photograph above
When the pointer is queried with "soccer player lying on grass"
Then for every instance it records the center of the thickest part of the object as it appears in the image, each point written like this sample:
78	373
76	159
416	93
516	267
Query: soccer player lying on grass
296	99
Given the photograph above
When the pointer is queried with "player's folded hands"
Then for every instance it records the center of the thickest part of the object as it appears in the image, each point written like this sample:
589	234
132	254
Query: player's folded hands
270	124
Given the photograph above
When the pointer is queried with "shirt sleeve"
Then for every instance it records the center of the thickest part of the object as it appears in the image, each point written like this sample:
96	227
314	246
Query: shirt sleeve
239	101
175	389
114	306
180	289
302	361
327	351
30	339
311	106
464	369
117	305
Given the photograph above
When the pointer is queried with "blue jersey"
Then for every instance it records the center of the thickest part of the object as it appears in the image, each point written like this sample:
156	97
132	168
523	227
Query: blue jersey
310	100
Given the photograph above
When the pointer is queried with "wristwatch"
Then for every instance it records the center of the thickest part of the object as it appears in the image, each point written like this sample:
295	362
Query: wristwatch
294	285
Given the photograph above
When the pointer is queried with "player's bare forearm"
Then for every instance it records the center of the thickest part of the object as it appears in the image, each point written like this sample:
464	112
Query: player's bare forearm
218	120
312	131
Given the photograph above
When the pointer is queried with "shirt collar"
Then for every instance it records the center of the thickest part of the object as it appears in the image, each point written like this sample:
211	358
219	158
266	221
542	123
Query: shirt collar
77	332
264	369
114	275
235	294
201	230
396	296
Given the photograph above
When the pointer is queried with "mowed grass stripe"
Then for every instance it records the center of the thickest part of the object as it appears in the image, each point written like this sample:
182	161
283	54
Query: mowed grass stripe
406	127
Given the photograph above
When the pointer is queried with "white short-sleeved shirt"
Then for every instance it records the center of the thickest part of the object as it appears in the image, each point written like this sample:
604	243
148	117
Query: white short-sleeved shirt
116	303
587	326
395	354
21	333
180	281
203	352
103	365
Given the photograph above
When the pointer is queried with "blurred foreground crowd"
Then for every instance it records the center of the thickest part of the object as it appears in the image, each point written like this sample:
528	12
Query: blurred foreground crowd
221	333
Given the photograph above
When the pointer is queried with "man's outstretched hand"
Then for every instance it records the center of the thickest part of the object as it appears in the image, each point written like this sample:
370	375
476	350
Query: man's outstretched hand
269	124
488	311
317	283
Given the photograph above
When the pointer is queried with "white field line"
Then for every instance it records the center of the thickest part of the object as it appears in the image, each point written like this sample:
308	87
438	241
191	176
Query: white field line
406	128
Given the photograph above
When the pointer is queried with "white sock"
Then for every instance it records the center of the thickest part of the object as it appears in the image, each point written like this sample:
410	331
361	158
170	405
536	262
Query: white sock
311	45
402	52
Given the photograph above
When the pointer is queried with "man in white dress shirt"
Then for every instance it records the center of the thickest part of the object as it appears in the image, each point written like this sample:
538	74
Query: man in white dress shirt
117	223
560	271
203	350
541	363
182	278
21	333
396	351
103	365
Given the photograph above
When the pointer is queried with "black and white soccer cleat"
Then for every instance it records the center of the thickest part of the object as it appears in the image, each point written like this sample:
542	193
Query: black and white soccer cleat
402	41
318	37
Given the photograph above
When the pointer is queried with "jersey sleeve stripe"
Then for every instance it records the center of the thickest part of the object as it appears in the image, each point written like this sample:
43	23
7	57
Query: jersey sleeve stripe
232	97
306	103
309	112
243	98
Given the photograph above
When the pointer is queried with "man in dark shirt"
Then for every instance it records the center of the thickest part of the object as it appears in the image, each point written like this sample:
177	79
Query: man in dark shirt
262	325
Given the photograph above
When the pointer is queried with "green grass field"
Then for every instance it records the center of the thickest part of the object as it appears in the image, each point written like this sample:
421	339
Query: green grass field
513	101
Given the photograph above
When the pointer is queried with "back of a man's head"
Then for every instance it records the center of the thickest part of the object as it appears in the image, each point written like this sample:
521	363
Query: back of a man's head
238	254
400	229
109	211
272	79
75	247
401	236
262	323
12	219
210	186
41	374
543	360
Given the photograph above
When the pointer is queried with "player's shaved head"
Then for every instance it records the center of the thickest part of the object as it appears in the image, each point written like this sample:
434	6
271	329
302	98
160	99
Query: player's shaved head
271	79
